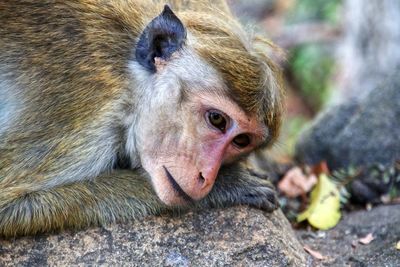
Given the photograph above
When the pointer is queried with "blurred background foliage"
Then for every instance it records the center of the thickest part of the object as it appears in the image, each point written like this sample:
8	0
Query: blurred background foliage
306	10
312	64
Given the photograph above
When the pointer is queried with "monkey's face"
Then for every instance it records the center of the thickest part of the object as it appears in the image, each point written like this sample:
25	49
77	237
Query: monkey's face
187	146
188	127
187	124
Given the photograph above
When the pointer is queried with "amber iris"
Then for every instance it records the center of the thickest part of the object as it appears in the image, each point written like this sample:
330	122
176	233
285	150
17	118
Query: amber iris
217	120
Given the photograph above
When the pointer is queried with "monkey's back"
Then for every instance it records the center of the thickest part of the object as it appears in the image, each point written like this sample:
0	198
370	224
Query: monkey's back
63	49
63	69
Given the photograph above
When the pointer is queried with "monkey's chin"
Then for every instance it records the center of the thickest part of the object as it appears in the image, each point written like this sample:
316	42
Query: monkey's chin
172	194
173	200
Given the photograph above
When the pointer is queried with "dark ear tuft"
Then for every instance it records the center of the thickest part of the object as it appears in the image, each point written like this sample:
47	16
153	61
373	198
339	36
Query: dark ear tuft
164	35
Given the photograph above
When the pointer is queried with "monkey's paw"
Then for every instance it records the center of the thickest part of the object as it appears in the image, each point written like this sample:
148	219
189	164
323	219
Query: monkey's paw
258	193
247	190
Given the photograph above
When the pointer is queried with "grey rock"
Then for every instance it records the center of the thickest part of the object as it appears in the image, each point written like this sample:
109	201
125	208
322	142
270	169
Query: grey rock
360	132
341	247
238	236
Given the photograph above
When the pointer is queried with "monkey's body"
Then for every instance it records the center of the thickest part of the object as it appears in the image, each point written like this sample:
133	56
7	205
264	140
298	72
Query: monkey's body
69	102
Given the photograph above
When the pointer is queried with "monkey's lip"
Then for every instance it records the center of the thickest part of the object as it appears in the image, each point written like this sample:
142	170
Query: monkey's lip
177	187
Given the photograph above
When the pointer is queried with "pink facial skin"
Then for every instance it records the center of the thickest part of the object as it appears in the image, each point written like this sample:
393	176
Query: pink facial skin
187	166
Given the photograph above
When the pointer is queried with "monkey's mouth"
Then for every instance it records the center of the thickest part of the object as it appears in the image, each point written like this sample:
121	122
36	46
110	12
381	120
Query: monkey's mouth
176	186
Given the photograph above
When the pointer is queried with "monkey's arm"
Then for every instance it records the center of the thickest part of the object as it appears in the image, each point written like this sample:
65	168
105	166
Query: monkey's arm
121	195
235	186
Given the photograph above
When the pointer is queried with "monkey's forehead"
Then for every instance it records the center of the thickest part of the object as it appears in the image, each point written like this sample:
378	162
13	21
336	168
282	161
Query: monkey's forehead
252	80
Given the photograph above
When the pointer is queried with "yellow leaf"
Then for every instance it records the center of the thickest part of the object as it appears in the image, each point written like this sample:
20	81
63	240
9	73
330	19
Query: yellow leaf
398	245
324	210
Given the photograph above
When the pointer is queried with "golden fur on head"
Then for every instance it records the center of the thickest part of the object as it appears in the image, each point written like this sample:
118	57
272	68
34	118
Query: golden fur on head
252	78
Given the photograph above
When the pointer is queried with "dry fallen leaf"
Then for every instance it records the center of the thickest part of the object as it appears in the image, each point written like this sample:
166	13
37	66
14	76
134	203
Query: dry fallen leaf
314	253
366	239
398	245
296	183
324	209
320	168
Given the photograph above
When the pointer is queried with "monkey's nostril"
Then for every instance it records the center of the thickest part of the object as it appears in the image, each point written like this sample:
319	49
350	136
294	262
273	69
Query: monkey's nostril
201	178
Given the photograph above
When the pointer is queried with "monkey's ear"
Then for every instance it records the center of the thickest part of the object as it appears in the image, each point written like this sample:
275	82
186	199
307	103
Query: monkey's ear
164	35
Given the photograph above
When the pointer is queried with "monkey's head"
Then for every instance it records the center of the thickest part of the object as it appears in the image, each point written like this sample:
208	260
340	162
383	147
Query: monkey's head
206	97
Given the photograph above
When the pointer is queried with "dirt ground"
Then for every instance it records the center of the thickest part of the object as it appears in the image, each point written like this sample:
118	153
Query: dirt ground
341	247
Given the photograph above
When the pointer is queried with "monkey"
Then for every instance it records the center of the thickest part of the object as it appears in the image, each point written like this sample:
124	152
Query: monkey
115	110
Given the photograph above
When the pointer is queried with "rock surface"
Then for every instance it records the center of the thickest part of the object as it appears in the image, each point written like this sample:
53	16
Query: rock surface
357	133
238	236
340	244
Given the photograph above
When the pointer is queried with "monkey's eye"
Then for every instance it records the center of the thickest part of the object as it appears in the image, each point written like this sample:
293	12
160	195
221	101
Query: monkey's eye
241	141
217	120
